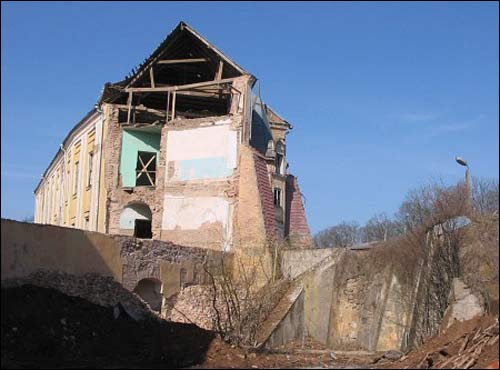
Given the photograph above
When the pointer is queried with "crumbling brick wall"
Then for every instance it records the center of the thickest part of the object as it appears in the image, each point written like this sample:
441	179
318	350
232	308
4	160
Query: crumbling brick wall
118	198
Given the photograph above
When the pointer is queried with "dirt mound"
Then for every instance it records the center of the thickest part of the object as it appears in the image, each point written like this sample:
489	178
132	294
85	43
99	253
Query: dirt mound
468	344
45	328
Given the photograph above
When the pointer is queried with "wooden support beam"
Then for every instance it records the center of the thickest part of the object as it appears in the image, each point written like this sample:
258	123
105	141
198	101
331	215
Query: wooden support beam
173	106
218	75
142	108
129	103
152	77
166	111
179	61
202	94
178	87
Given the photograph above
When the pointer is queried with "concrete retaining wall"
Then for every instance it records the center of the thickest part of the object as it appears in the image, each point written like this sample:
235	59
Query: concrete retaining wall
27	248
295	262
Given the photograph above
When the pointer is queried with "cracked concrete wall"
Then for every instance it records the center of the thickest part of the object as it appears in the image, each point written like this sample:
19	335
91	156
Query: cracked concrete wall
349	305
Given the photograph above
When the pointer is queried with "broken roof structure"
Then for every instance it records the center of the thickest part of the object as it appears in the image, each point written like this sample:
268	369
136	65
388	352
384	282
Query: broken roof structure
181	150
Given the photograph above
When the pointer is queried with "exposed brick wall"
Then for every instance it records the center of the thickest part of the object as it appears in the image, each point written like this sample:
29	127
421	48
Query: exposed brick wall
117	198
296	226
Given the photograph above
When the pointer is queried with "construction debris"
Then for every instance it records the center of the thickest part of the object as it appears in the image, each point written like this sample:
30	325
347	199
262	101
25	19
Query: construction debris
466	345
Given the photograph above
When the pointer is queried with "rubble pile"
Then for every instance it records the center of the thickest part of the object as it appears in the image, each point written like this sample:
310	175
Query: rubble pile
95	288
193	305
471	344
43	327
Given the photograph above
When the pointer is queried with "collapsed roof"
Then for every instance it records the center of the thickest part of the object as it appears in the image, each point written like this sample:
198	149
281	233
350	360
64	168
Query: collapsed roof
184	57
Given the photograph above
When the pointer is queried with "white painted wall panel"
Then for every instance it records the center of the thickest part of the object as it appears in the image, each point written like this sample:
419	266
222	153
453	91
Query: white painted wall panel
190	213
201	153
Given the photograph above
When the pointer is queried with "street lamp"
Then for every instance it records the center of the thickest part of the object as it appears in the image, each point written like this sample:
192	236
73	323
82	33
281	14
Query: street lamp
463	162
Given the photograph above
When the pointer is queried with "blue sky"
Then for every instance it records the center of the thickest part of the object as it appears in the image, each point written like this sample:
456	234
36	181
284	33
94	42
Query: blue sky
382	96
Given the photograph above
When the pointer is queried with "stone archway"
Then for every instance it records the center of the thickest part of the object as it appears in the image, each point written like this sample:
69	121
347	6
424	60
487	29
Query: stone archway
149	289
136	220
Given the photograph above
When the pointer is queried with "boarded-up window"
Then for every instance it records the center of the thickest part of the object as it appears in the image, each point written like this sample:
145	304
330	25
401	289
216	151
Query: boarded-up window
145	169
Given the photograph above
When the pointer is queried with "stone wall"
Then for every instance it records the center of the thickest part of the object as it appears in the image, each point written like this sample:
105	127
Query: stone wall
101	268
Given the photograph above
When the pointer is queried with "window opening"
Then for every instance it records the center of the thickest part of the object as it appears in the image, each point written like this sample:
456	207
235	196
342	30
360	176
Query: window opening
145	169
77	170
277	196
142	229
279	163
91	161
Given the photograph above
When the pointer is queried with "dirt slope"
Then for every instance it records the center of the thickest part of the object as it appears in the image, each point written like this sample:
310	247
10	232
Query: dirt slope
43	328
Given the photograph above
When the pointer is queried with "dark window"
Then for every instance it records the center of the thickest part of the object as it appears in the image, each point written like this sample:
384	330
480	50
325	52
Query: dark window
143	229
183	278
279	163
145	169
277	196
77	174
91	164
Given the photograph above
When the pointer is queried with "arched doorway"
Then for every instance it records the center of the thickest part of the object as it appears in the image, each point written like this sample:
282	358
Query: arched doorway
150	290
136	219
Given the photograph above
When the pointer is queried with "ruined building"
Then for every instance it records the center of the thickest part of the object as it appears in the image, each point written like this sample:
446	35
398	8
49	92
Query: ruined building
180	150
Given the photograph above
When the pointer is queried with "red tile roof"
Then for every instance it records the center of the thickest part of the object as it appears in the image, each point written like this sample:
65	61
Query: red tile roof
296	222
266	196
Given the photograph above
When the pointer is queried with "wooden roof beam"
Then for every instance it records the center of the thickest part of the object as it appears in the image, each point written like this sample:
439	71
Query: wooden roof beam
178	87
179	61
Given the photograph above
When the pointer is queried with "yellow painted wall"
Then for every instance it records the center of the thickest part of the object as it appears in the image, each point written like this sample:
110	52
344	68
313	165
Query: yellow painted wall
57	200
101	212
76	177
86	188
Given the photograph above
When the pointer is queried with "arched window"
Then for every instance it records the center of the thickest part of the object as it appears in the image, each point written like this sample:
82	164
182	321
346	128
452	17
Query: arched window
137	217
150	290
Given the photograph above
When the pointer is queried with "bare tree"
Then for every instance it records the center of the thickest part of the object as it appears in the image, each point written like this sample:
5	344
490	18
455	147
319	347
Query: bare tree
416	207
485	195
339	236
380	228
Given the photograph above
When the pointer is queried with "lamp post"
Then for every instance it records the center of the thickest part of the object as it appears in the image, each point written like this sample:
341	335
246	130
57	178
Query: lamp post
463	162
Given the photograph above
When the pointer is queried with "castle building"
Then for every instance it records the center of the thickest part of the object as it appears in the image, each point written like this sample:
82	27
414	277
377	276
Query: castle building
181	150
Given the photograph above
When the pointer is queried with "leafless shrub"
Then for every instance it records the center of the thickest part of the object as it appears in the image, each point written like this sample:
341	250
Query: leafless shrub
485	195
339	236
480	257
240	308
380	228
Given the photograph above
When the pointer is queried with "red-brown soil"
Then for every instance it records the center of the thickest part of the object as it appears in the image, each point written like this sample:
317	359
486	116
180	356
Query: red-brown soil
43	328
446	346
